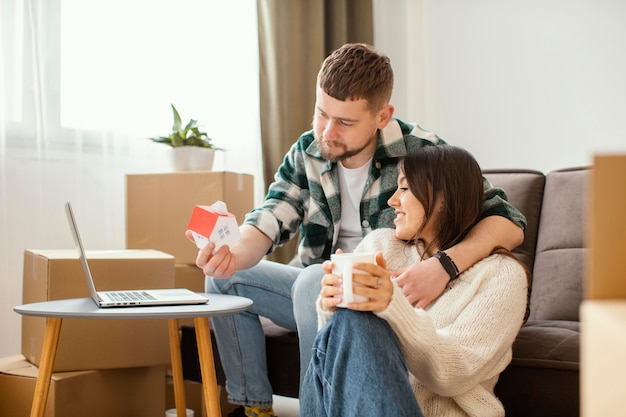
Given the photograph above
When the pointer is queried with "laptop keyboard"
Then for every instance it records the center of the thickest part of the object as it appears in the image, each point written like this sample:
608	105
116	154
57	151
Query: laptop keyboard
131	296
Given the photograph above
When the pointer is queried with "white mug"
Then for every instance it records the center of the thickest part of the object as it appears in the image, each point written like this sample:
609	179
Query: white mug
343	266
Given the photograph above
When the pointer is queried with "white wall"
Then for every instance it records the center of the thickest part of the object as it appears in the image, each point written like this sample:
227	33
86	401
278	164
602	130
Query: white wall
535	84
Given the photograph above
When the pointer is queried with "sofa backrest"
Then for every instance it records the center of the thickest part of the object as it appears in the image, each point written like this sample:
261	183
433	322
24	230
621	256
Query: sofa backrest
557	286
524	189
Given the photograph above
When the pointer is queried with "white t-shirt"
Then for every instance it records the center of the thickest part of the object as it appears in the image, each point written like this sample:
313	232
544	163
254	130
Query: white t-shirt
351	185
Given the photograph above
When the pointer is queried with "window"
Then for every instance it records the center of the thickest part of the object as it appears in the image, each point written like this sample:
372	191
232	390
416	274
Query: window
83	84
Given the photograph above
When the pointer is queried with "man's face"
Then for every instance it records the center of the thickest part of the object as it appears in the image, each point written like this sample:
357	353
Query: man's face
345	131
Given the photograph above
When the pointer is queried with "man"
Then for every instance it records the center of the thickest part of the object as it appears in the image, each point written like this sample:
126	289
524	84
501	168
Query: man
332	187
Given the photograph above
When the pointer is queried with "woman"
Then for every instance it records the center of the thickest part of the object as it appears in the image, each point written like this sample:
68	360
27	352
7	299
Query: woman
385	357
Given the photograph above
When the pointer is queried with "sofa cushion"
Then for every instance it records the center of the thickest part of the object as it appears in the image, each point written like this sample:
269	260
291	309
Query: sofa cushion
557	286
524	190
548	344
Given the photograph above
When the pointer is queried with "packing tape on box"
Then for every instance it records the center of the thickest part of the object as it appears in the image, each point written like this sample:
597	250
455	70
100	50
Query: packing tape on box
35	266
240	182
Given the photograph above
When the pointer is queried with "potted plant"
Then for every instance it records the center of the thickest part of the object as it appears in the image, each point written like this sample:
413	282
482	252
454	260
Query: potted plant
192	149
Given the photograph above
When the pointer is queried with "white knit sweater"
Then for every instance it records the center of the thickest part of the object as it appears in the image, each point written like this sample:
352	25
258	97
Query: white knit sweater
457	347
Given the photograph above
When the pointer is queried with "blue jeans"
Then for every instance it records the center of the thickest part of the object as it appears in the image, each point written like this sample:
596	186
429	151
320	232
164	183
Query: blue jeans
240	338
357	370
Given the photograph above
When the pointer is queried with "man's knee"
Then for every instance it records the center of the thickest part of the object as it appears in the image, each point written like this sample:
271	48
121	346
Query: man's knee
225	285
308	285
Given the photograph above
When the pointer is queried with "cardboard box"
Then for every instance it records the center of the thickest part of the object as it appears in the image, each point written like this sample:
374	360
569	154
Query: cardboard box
603	372
190	277
607	229
136	392
87	344
158	207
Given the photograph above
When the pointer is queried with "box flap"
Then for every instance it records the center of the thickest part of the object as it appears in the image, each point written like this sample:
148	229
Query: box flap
8	364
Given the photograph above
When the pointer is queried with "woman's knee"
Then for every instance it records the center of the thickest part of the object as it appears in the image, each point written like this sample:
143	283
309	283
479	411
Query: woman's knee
364	326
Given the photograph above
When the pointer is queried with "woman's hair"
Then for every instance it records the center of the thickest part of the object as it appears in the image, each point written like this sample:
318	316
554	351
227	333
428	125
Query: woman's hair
452	175
357	71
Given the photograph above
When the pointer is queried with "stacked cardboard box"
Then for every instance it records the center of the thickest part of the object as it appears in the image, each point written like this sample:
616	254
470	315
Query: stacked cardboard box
603	312
96	344
159	207
116	366
137	392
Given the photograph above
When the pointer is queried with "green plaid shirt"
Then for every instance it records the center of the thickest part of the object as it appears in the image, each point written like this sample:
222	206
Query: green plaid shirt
304	196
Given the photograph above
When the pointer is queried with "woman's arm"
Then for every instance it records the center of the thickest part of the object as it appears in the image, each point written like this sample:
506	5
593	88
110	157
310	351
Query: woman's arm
424	281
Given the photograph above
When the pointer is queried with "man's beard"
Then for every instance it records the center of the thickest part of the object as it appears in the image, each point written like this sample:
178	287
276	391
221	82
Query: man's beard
345	154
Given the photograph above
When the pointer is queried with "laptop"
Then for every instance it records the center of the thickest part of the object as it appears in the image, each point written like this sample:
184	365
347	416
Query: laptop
129	298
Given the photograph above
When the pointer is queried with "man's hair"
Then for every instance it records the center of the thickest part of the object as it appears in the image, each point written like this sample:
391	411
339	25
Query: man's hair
357	71
453	174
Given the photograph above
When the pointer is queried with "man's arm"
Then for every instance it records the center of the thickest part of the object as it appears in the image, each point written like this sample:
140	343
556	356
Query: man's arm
490	232
423	282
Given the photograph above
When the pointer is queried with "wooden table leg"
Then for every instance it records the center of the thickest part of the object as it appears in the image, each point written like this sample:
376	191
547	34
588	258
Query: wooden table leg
50	343
207	367
177	368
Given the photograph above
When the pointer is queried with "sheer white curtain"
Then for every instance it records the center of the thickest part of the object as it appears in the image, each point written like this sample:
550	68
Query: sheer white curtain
83	84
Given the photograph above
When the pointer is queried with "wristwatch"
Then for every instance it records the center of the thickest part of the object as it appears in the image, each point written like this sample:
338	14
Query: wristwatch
448	264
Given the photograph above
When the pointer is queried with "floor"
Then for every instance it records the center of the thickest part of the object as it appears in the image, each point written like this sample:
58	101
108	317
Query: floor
286	407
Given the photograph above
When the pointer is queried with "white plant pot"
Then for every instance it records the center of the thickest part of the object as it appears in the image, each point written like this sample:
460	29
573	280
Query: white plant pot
192	158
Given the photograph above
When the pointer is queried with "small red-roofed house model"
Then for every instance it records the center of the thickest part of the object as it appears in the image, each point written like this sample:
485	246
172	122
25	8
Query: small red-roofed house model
213	224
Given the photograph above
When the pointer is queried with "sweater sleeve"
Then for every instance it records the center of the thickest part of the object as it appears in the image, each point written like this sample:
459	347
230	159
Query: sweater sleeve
466	336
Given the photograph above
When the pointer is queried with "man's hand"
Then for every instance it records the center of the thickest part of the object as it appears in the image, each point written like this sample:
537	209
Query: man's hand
221	264
244	254
423	282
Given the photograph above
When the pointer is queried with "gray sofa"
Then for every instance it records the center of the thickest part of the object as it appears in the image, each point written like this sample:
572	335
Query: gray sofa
543	377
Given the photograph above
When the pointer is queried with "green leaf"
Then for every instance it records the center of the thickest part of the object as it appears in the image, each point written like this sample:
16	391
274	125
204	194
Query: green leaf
190	135
177	121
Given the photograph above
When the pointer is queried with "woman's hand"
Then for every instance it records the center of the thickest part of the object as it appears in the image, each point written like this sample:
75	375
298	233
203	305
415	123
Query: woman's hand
374	283
331	287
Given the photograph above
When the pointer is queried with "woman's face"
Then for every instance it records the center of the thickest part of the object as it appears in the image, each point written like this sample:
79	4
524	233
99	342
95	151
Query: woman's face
410	214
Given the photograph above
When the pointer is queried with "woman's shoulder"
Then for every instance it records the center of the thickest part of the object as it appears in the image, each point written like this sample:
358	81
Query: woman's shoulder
385	232
379	240
502	266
